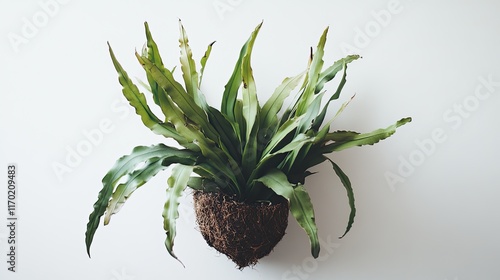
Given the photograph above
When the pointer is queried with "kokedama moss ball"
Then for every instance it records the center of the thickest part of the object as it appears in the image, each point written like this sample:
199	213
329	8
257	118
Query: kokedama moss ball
243	232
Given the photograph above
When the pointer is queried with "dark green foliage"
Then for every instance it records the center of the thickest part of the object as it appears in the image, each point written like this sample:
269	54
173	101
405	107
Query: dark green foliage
245	150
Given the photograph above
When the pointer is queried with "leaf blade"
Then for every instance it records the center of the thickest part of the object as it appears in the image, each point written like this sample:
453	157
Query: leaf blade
331	71
138	101
313	75
350	194
124	191
274	104
249	91
179	96
204	60
360	139
188	68
123	166
300	204
177	184
153	54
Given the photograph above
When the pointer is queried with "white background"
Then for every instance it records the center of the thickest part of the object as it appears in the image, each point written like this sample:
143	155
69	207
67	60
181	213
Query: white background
437	217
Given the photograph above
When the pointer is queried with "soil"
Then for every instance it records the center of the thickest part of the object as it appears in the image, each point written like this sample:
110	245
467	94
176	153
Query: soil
243	232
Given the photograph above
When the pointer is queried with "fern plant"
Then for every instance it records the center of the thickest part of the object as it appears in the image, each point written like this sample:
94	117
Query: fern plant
247	150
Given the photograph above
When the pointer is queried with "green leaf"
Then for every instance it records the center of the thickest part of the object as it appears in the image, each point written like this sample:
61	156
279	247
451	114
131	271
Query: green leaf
183	124
195	183
250	108
177	184
298	162
232	87
239	120
193	133
153	54
292	150
314	71
126	165
304	141
250	152
313	157
300	204
319	119
203	61
310	115
249	91
331	71
326	127
138	101
137	178
188	118
282	132
351	139
208	170
292	108
350	194
227	131
269	112
203	184
295	145
178	95
188	67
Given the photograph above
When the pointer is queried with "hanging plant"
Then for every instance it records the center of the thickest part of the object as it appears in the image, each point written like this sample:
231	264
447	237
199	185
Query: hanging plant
247	163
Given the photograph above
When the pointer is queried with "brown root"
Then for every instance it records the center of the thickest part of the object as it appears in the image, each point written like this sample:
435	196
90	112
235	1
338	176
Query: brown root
243	232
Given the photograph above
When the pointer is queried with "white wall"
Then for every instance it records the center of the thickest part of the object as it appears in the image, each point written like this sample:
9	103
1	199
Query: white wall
438	218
